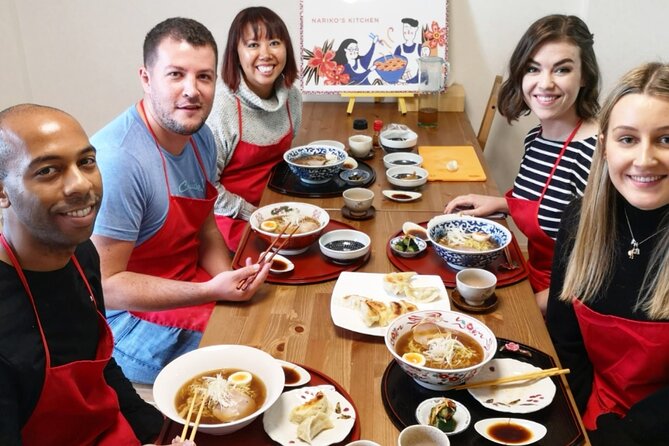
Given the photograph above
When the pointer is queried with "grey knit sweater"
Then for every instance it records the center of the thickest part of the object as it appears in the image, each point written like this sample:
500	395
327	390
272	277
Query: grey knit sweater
264	121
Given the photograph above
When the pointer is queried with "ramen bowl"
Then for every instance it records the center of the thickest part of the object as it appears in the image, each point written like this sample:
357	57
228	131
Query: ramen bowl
390	67
344	245
197	362
321	171
406	177
306	214
436	378
459	258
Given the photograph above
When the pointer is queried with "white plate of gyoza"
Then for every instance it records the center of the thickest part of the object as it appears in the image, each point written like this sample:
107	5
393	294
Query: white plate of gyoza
367	302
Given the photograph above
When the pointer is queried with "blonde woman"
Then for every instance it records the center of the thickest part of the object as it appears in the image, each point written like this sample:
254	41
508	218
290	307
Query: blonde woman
608	309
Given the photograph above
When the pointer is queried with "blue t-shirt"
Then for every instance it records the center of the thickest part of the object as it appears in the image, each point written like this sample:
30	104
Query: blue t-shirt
135	196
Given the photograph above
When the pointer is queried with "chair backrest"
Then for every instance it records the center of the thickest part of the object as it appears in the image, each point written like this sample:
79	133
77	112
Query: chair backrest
489	113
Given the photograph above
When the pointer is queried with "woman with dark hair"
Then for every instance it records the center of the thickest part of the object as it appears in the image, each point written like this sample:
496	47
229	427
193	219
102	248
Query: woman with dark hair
257	113
553	73
608	309
355	65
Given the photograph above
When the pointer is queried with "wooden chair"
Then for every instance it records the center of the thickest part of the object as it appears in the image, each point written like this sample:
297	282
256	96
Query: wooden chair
489	114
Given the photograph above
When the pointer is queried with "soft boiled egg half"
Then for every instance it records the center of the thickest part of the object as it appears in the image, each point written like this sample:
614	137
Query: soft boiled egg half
416	359
240	378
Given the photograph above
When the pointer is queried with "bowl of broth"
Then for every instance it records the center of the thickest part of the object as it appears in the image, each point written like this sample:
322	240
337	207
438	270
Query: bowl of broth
440	349
406	177
315	164
467	242
240	382
308	220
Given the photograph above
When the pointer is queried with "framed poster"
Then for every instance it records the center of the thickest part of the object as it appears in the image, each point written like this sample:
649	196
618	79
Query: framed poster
369	45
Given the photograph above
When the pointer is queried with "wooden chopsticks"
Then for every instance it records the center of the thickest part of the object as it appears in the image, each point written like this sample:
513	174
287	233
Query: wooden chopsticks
511	379
184	432
267	255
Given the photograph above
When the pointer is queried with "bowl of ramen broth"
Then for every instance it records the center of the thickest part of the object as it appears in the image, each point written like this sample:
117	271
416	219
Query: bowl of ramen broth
268	222
211	368
467	242
427	334
315	164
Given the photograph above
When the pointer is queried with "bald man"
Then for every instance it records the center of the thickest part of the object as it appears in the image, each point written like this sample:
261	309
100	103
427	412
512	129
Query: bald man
58	382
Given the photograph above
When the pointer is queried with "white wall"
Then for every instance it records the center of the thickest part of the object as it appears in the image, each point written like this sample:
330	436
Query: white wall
83	55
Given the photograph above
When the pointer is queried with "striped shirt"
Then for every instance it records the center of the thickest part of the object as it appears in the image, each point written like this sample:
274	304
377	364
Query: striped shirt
568	181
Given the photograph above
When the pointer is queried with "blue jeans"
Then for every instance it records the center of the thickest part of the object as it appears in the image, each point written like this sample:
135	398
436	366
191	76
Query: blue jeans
142	348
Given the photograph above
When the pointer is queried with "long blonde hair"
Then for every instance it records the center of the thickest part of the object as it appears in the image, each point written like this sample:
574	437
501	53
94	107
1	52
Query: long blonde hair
591	260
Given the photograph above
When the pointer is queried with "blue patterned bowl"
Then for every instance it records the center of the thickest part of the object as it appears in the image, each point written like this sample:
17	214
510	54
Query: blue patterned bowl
459	259
315	174
441	379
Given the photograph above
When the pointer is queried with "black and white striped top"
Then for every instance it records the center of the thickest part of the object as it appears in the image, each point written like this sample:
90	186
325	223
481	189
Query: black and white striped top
568	181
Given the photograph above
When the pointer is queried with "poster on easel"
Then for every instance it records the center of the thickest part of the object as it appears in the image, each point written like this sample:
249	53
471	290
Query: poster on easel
369	45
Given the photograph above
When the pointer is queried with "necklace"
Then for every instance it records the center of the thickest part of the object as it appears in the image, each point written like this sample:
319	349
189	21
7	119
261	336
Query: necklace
634	245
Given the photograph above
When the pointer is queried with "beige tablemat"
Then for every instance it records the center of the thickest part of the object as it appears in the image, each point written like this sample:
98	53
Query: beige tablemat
435	159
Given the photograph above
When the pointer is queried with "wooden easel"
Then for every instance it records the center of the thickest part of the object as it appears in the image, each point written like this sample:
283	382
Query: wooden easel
400	99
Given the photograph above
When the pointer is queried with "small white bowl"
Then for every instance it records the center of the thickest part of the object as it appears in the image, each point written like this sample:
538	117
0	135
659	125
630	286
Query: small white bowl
422	246
289	369
536	431
328	142
344	237
462	416
402	159
398	140
350	163
404	183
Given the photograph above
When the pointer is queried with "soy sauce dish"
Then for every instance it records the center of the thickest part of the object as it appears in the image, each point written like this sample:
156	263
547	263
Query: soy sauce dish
344	245
281	264
296	376
510	431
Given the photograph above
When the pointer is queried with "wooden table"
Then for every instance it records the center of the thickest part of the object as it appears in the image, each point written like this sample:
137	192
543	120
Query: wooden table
293	322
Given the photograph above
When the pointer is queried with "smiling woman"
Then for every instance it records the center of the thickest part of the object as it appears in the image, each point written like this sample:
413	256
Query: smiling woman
257	112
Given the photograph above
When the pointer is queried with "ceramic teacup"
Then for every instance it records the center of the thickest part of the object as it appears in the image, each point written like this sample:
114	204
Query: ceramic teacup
360	145
358	200
475	285
421	434
363	443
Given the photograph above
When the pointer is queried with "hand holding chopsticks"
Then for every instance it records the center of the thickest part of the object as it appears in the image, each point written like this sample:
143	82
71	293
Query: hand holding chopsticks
539	374
184	432
267	255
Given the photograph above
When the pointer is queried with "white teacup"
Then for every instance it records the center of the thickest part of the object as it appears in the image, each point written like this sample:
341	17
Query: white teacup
424	435
358	200
362	443
360	145
475	285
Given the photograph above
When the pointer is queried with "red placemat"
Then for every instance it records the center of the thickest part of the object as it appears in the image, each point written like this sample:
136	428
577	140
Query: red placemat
310	266
254	434
431	263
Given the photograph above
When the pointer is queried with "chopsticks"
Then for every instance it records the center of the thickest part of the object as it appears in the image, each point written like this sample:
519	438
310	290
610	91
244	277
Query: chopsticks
511	379
267	255
184	432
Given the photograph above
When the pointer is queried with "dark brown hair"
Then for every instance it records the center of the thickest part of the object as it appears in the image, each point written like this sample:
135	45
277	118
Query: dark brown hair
179	29
258	17
552	28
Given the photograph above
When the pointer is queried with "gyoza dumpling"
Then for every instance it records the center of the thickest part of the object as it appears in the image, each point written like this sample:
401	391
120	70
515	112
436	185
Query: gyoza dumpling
395	283
318	404
372	312
312	426
422	294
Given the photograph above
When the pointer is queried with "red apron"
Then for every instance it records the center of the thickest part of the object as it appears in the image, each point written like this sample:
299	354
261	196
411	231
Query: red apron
76	405
246	175
637	366
173	251
525	214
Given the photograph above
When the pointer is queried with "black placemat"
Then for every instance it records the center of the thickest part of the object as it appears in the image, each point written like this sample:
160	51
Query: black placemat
401	396
283	181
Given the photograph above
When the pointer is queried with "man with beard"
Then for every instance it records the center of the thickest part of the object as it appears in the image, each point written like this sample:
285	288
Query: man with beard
58	382
164	261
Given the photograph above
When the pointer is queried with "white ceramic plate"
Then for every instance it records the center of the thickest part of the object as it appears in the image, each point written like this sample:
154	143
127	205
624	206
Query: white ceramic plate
276	420
537	430
371	285
519	397
397	195
305	376
462	417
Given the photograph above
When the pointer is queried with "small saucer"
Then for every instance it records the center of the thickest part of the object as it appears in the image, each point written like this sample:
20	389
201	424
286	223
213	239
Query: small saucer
369	156
369	213
488	305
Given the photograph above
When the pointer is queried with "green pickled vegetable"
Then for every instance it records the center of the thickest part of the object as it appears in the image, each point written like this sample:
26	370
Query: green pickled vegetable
441	416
